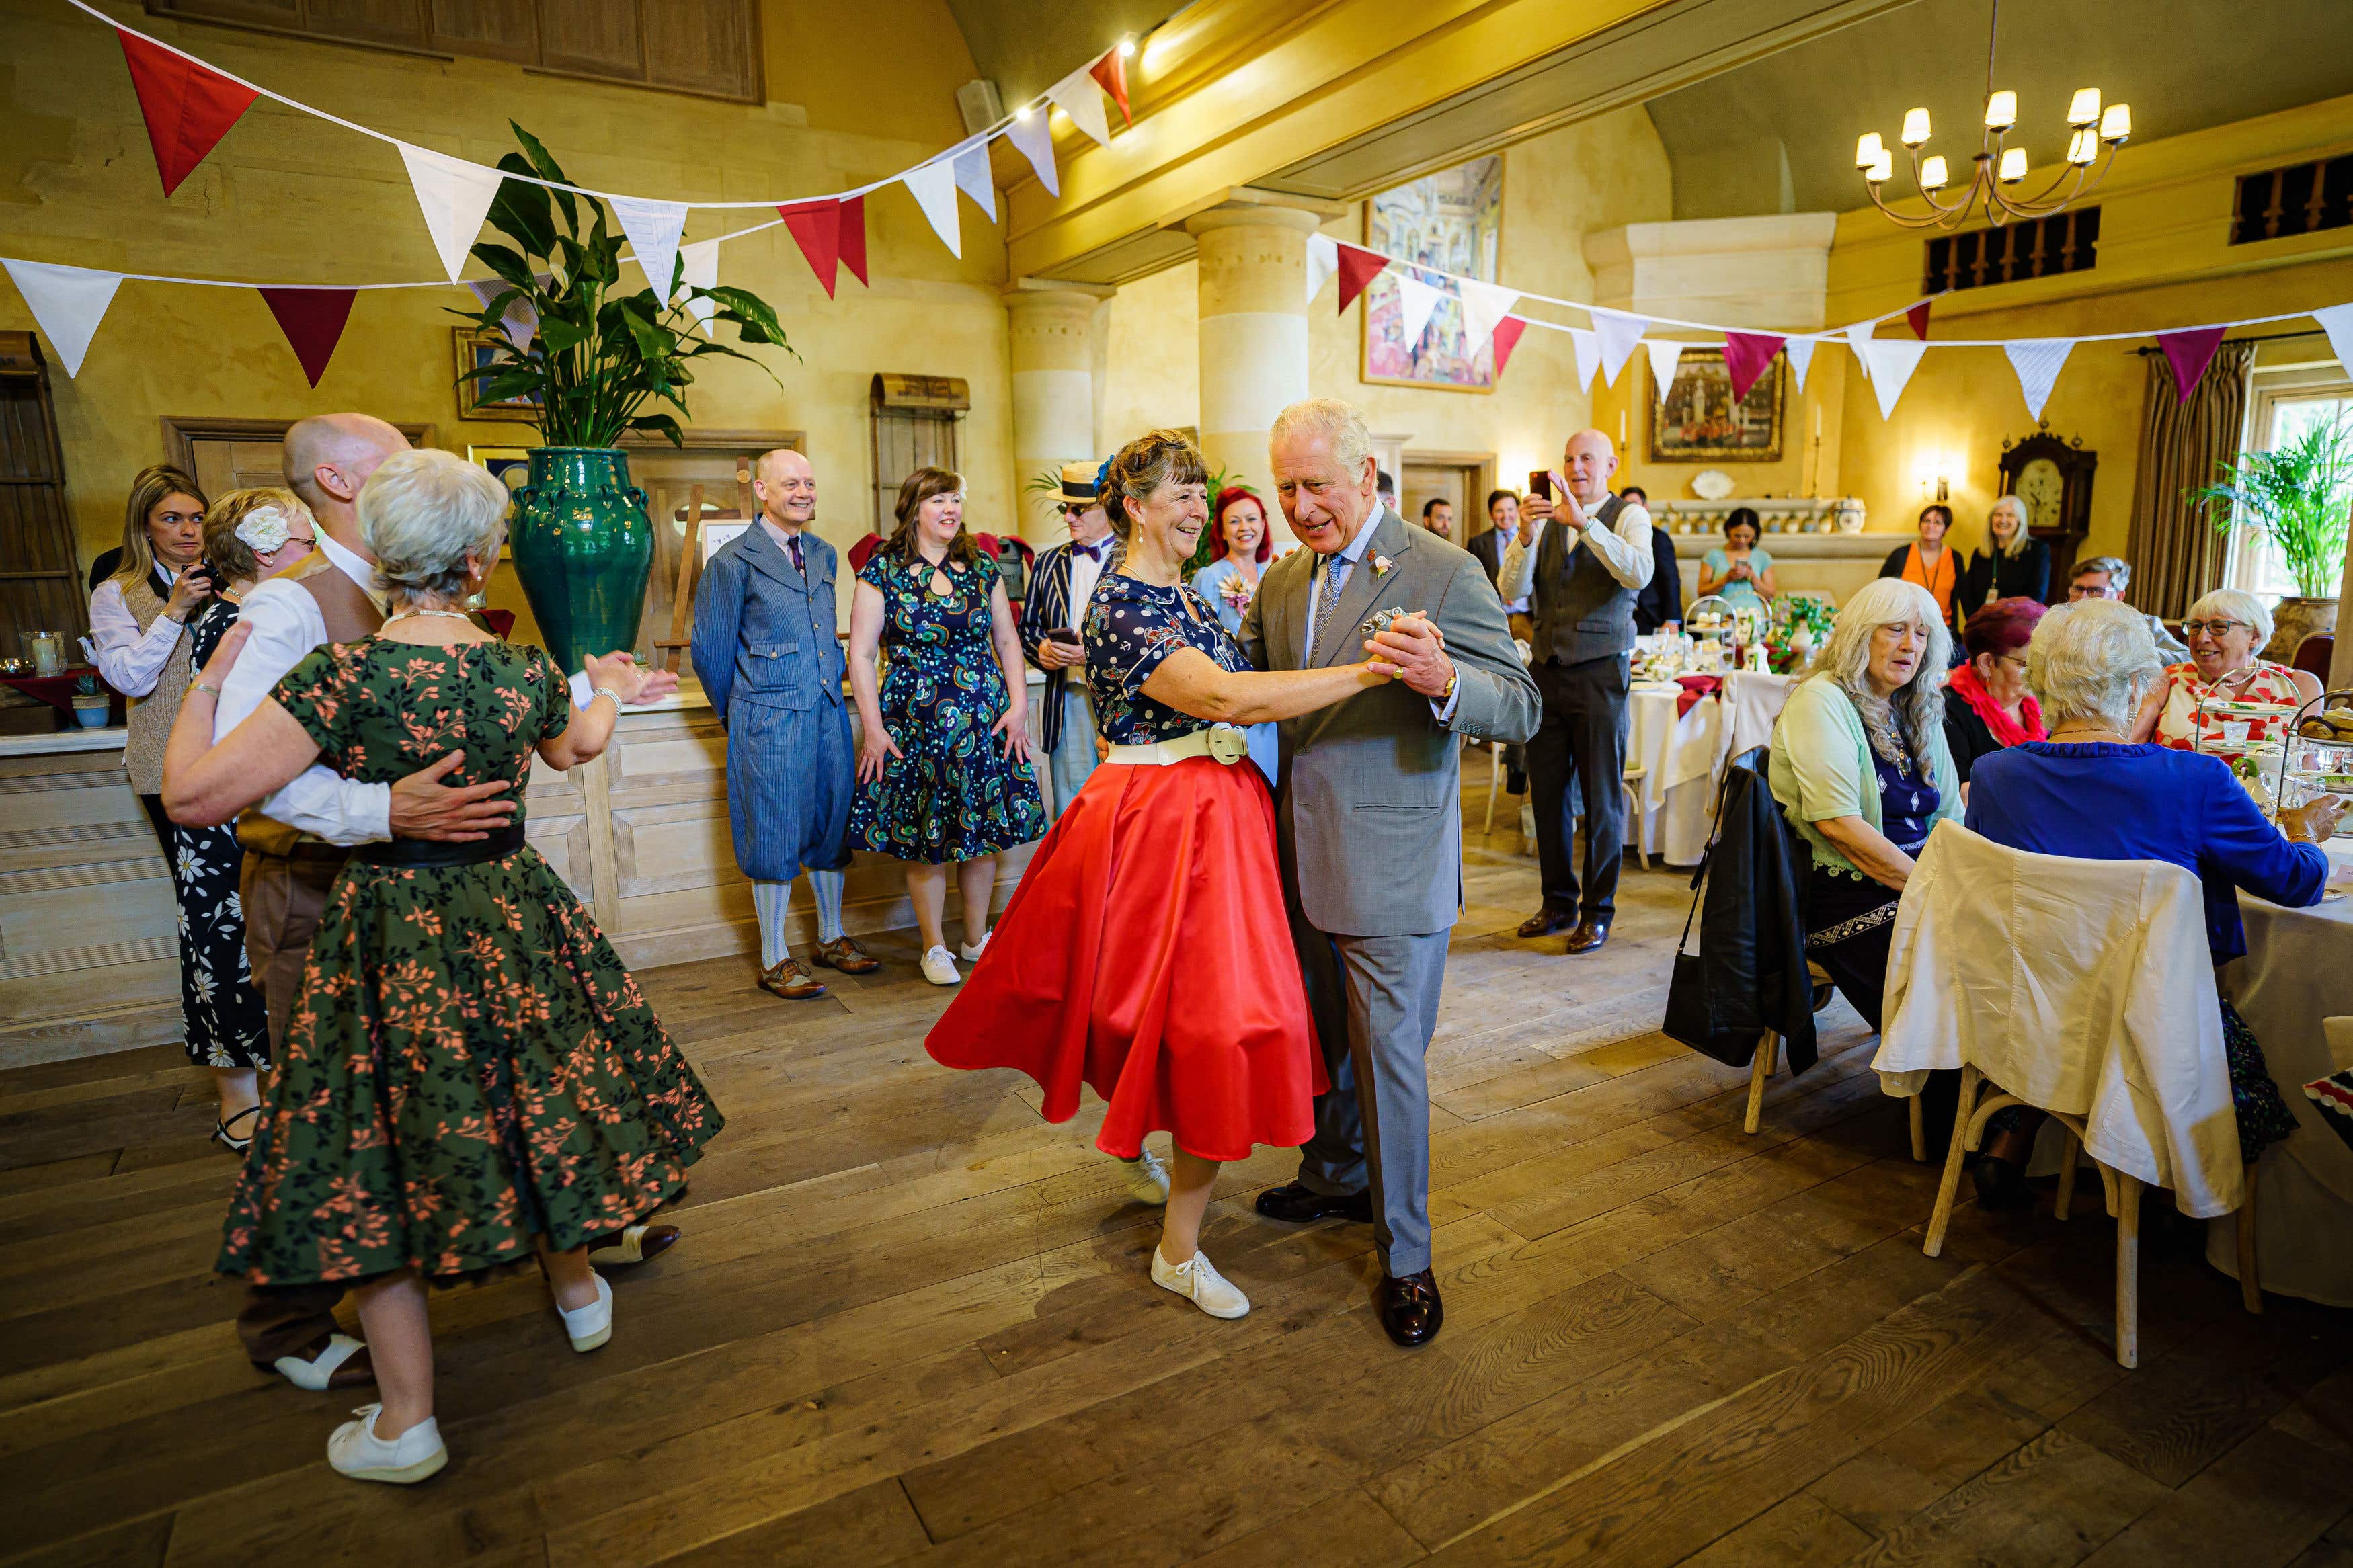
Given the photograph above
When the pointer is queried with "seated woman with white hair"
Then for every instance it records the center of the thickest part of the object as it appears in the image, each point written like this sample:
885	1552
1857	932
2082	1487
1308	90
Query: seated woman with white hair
1860	768
471	1078
2224	629
2096	791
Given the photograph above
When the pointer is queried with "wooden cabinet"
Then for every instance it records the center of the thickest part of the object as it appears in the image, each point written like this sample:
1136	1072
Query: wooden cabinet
40	580
709	47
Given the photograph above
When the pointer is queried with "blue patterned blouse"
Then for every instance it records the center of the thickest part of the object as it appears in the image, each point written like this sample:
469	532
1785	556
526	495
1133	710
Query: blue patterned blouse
1131	629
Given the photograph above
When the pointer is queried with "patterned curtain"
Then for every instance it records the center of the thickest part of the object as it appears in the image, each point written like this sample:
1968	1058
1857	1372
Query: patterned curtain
2176	553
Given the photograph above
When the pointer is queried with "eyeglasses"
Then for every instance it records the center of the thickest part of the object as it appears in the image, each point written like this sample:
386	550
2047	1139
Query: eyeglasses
2215	629
2093	591
2011	658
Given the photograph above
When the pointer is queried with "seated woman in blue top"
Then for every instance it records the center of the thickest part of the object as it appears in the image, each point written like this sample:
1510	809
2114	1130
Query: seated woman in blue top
2097	791
1739	572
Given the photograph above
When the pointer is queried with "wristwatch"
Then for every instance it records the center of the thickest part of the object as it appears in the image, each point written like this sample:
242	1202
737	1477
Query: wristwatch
1452	681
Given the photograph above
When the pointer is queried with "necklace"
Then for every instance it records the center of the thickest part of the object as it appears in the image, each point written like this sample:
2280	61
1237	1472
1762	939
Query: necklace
418	614
2086	731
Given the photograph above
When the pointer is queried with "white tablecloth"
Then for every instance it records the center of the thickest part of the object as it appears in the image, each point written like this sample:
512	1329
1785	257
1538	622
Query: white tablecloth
1680	758
2298	970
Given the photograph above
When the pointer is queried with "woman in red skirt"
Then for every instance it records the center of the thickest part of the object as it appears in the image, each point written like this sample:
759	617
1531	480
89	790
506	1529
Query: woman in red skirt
1146	953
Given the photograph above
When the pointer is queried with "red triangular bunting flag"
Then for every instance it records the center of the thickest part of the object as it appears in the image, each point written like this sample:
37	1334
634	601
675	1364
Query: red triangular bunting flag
1918	316
2188	353
188	108
1746	356
1358	266
313	321
816	229
1110	74
853	236
1506	339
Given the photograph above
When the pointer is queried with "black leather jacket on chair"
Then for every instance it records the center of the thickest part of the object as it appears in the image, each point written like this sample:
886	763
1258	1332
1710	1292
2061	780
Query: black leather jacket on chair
1750	971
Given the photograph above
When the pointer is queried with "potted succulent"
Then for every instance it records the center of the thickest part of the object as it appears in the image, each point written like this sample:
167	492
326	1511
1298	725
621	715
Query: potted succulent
90	703
2297	496
599	362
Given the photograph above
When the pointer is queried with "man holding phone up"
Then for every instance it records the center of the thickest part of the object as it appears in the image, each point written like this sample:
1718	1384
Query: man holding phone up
1581	556
1059	588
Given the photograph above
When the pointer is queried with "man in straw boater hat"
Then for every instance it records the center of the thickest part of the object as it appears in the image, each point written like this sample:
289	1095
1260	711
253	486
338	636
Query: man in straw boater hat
1050	616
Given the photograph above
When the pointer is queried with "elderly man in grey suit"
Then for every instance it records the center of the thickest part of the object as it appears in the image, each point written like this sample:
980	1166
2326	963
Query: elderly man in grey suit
1368	823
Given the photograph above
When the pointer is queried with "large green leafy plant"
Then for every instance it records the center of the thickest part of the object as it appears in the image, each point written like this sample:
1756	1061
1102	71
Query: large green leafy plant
602	362
2297	496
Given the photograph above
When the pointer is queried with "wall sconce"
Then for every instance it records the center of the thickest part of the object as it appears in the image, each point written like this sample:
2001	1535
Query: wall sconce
1934	480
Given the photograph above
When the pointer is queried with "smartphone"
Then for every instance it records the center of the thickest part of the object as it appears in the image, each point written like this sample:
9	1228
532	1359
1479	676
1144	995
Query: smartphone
1540	483
1064	635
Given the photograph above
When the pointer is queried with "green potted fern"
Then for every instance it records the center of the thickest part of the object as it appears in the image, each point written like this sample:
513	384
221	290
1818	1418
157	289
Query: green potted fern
2297	496
600	362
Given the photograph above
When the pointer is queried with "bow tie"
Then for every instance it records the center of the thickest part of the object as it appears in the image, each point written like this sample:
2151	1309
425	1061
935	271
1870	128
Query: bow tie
1095	552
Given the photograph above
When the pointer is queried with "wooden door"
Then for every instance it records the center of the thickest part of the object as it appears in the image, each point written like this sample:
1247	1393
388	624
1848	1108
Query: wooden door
228	454
40	581
1456	484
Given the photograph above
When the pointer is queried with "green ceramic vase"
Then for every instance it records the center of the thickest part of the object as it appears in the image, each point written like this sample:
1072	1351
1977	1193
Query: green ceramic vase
583	549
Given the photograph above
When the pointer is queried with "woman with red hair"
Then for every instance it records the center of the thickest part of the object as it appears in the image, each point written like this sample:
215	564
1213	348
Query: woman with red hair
1994	709
1240	545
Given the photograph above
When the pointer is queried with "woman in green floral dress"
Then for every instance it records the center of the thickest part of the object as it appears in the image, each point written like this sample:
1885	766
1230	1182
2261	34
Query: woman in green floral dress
471	1078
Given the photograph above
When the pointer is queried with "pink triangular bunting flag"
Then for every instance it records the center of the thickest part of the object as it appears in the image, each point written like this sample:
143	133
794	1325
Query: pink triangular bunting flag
188	106
816	227
1918	317
1110	73
313	321
853	236
1746	356
2189	353
1507	338
1358	266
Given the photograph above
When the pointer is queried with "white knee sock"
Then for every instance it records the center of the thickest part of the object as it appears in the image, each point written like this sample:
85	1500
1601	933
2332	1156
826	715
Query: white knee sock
827	886
771	900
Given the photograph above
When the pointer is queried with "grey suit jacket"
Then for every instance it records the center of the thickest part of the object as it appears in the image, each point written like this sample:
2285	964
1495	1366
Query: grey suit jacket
1369	812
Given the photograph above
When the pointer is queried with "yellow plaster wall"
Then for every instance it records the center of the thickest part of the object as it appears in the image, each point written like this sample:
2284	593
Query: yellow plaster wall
285	197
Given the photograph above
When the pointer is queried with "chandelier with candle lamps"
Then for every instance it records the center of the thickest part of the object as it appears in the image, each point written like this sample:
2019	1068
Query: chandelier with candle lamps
2093	134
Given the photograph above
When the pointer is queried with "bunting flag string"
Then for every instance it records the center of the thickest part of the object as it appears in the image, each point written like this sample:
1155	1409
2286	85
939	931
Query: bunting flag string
1917	319
1508	332
653	228
1033	136
2336	321
1080	96
1588	348
188	105
1858	337
1746	356
455	197
1417	302
1618	333
2037	363
2189	352
519	319
853	238
970	163
313	321
934	187
1358	266
816	227
1665	354
1110	74
68	302
1801	352
1891	361
698	266
1484	306
1322	260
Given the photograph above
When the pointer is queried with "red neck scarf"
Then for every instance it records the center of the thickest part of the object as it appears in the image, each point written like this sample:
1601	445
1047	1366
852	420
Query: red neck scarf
1965	685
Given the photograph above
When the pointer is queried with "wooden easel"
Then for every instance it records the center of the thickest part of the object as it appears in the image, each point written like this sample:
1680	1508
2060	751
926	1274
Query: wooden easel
691	556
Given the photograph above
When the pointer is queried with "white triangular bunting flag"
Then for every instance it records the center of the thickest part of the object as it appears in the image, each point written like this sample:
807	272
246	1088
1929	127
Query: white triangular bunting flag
1322	260
1664	355
456	197
699	262
1589	355
67	301
519	321
1034	135
2037	362
2336	321
1484	305
1801	357
653	228
970	163
1857	336
1618	333
1891	361
934	187
1416	300
1081	99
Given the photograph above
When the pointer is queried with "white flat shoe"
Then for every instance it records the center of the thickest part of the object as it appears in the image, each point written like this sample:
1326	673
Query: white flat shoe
1147	1178
939	967
357	1451
970	951
590	1326
1199	1281
313	1373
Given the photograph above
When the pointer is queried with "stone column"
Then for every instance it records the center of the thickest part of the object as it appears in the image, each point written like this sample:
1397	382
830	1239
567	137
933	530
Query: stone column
1253	264
1051	339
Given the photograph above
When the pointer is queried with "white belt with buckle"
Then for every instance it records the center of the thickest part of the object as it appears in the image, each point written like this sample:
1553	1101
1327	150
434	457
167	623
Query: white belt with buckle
1218	742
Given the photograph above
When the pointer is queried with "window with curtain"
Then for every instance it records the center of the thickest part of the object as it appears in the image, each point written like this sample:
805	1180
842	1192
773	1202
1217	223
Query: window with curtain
2279	416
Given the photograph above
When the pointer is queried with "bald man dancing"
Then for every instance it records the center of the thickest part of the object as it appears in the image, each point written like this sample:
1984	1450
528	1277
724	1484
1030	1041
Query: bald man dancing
765	652
1581	556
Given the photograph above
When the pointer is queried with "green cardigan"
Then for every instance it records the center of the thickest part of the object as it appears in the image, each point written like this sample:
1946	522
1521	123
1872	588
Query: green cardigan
1822	767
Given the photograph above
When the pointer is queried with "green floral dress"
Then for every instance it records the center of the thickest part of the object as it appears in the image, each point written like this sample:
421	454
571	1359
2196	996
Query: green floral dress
468	1062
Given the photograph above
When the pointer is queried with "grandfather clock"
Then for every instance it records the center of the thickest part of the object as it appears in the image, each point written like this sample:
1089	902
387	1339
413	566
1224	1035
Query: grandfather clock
2054	477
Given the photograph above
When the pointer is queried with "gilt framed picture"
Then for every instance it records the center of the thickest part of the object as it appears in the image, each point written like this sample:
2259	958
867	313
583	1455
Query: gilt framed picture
476	350
1699	420
1451	221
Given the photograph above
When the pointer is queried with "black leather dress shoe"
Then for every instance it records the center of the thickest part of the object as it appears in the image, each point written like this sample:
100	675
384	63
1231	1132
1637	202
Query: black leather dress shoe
1547	920
1299	1203
1587	938
1410	1310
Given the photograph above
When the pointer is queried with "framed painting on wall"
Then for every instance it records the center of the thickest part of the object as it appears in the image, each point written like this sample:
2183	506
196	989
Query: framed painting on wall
477	350
510	466
1451	221
1699	420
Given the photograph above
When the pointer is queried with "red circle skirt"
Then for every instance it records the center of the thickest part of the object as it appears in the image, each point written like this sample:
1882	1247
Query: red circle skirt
1147	956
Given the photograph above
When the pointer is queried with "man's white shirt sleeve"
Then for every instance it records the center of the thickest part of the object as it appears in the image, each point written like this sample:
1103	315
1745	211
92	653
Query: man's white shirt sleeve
286	626
1624	547
1515	578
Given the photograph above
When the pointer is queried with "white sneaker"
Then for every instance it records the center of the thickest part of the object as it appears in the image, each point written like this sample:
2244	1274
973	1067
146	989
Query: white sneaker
590	1326
312	1373
939	967
1199	1281
970	951
357	1451
1147	1178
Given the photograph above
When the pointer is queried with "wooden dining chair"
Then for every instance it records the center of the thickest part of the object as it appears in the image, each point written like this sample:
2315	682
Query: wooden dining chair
1769	1056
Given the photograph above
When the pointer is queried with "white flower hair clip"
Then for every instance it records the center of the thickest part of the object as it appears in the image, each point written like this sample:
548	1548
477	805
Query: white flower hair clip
264	530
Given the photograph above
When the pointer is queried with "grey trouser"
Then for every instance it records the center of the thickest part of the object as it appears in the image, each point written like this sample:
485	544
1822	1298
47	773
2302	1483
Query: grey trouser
1375	1002
1074	751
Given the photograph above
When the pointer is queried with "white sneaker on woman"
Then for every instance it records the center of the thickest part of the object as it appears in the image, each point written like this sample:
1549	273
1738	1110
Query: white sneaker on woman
590	1326
1199	1281
970	951
357	1451
939	967
1147	1178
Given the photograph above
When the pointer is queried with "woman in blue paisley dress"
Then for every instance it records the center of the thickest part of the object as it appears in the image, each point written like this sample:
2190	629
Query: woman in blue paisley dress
1146	953
944	768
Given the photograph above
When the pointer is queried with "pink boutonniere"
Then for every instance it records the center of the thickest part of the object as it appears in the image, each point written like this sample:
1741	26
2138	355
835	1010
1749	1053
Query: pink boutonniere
1383	565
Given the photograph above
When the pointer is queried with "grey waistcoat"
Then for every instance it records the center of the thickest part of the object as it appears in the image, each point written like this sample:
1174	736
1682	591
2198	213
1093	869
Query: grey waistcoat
1581	612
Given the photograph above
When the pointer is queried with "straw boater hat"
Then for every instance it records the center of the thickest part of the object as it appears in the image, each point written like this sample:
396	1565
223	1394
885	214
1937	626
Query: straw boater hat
1078	485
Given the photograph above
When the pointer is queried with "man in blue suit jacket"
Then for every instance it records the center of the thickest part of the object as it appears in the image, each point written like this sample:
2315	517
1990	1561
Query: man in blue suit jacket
765	650
1051	617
